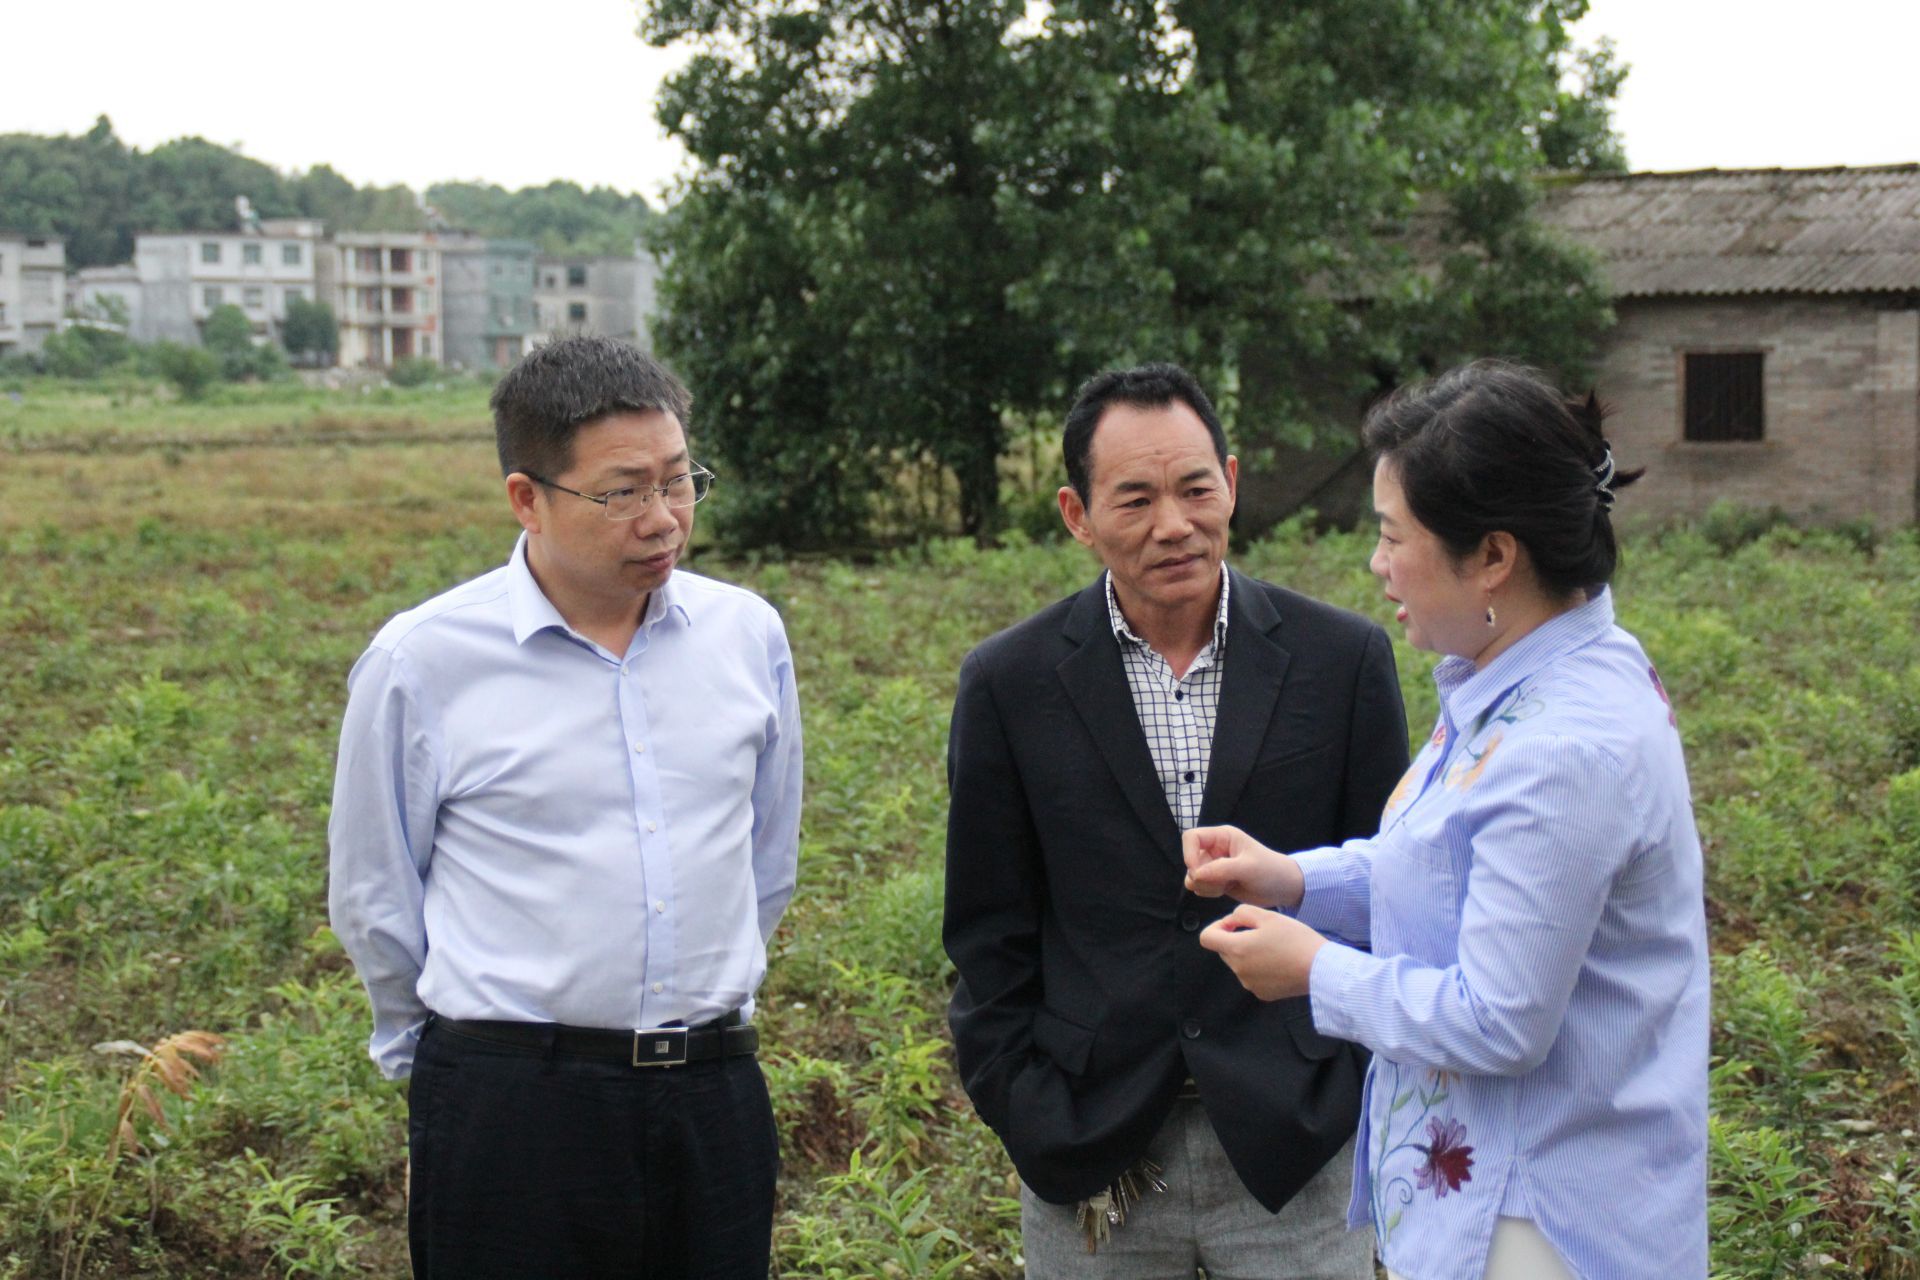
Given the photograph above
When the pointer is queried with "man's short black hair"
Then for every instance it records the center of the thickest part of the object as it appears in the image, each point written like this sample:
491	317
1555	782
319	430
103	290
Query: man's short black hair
1147	386
570	383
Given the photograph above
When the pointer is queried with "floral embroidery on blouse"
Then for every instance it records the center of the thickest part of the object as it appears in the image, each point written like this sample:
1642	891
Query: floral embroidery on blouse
1467	770
1449	1160
1520	705
1400	791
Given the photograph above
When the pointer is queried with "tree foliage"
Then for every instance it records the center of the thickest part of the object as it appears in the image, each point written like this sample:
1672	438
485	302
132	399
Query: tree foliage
98	194
228	336
916	218
560	218
310	332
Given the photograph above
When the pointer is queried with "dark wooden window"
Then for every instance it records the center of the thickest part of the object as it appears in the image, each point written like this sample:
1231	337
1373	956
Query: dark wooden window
1724	400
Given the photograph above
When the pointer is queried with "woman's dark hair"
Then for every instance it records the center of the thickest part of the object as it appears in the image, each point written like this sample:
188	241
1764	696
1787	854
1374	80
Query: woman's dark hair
1492	446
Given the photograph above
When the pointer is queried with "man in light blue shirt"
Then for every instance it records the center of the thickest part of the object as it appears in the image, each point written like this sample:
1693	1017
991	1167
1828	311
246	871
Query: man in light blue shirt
565	825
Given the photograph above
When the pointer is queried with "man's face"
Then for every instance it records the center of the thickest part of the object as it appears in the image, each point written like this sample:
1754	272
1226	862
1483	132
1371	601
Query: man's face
580	557
1157	508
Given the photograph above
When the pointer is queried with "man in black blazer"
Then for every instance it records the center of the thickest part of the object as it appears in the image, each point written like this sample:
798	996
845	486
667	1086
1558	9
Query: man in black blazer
1092	1030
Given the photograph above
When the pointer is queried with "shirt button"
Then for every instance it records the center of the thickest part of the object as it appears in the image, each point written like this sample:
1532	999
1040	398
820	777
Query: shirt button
658	987
660	907
641	747
650	826
1189	921
1179	695
1189	775
1190	1029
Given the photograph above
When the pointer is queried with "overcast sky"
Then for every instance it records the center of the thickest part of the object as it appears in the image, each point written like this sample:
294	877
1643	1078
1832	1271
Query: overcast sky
418	91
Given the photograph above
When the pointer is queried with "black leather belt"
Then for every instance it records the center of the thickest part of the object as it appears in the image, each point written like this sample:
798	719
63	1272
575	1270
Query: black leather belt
725	1037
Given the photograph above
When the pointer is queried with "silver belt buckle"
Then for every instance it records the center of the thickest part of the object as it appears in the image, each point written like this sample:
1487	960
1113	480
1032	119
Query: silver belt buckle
660	1047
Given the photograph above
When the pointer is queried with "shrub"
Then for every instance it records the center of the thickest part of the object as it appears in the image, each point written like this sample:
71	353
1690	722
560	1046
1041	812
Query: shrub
191	370
413	371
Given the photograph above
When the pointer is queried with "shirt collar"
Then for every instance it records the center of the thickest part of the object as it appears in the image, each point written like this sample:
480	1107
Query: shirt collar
1124	634
1468	694
533	613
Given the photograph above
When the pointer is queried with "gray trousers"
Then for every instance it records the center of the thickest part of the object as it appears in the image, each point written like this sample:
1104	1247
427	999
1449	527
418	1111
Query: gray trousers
1205	1220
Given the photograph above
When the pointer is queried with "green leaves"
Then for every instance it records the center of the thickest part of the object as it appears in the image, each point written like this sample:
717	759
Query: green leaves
919	218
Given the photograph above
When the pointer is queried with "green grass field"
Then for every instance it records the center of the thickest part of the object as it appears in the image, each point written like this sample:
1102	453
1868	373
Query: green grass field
178	624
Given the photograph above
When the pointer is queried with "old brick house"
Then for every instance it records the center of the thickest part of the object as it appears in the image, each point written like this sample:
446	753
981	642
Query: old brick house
1767	350
1768	344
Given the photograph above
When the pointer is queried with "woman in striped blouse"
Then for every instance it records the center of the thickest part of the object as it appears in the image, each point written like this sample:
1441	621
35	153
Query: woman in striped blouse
1523	946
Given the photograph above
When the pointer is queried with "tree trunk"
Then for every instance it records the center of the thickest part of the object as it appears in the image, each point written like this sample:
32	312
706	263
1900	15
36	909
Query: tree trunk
978	471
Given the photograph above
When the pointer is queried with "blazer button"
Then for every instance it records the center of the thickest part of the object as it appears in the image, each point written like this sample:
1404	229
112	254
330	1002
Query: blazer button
1189	921
1190	1029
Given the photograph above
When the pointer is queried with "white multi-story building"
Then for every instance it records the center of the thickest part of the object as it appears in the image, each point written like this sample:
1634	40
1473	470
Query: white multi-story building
33	272
604	294
185	276
385	291
94	294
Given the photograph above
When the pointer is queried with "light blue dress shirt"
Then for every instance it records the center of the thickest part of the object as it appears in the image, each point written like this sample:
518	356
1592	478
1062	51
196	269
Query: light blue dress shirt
527	826
1536	996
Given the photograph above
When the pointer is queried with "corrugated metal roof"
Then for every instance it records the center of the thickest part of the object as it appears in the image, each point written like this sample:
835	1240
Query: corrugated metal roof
1720	231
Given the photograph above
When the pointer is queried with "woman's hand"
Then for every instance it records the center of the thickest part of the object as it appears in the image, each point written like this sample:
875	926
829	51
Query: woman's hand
1228	860
1271	954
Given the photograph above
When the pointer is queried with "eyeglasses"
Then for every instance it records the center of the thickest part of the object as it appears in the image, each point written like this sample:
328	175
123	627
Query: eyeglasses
629	504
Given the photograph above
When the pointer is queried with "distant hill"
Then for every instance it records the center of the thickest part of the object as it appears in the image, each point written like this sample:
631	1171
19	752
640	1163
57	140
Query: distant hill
97	193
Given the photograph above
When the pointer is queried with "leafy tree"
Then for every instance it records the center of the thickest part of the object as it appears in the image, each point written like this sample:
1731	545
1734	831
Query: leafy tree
191	370
85	351
74	187
310	333
98	194
561	217
916	219
189	184
228	335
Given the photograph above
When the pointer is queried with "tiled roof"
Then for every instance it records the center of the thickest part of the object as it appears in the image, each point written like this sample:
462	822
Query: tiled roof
1720	231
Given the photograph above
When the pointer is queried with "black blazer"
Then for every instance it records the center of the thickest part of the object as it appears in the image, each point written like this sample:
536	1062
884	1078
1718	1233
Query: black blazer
1084	997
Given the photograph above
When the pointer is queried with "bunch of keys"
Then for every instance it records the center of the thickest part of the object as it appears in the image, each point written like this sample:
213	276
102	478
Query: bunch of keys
1099	1214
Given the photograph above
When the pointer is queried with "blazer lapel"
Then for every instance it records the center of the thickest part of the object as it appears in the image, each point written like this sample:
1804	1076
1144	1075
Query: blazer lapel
1097	685
1249	690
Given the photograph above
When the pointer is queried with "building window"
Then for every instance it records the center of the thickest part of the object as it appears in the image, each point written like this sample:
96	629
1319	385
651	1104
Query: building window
426	260
426	344
369	299
1723	396
553	281
398	261
290	255
250	254
402	301
576	277
366	259
291	296
212	296
576	313
253	296
209	251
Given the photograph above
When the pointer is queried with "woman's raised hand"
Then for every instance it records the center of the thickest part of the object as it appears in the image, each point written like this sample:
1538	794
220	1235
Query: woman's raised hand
1226	860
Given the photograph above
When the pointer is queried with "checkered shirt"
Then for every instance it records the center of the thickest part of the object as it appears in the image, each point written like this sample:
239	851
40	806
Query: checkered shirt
1176	715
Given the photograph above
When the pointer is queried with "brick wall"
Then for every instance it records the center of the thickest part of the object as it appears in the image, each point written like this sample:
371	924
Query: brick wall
1842	404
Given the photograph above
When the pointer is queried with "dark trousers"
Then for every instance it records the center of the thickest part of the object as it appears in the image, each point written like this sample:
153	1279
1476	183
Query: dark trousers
528	1166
